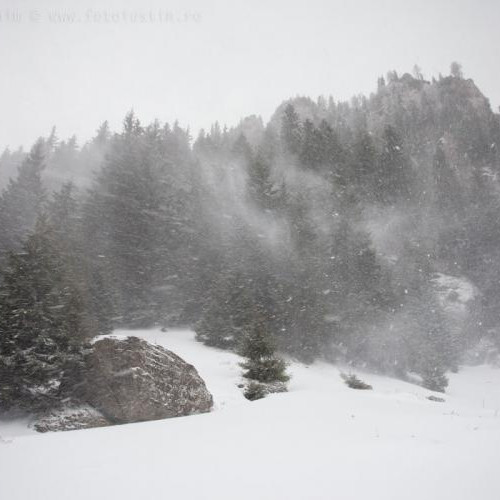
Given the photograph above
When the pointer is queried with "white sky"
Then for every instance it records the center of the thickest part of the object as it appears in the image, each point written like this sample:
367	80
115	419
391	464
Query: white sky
221	59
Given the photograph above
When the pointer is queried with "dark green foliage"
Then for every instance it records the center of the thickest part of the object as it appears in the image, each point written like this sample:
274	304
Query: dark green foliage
354	382
447	188
254	391
10	161
324	229
361	291
242	150
260	185
61	155
261	365
226	312
433	347
312	154
394	176
436	399
137	222
321	151
42	323
433	363
22	200
364	165
291	133
433	377
332	154
63	215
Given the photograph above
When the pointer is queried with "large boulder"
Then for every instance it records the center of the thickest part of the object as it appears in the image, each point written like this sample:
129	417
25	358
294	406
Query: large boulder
131	380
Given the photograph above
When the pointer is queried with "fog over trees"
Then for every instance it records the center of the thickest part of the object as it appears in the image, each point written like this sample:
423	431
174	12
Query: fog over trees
328	232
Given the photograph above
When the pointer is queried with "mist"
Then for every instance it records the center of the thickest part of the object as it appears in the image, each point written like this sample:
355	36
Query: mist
281	218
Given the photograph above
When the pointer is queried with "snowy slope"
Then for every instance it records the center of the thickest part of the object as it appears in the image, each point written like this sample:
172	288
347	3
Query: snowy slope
319	441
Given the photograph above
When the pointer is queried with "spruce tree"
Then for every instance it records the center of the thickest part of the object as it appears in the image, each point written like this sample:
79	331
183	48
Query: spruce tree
432	345
242	150
291	132
332	155
22	200
42	323
364	166
311	153
10	162
260	185
261	364
447	194
227	314
393	176
87	275
136	219
217	326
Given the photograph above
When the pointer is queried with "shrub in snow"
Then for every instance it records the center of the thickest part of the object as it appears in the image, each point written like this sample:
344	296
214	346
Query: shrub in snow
354	382
435	399
254	391
257	390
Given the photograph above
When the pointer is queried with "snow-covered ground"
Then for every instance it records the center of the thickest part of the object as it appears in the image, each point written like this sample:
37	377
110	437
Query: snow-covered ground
321	440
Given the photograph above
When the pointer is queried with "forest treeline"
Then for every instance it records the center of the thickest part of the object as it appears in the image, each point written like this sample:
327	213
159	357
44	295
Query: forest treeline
325	228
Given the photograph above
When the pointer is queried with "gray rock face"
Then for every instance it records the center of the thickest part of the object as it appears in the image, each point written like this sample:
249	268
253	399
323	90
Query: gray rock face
131	381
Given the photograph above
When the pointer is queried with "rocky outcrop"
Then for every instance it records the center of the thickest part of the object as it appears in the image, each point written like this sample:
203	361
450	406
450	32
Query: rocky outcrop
131	381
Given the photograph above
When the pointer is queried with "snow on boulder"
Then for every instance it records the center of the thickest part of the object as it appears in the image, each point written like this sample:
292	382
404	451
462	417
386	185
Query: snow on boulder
131	380
69	418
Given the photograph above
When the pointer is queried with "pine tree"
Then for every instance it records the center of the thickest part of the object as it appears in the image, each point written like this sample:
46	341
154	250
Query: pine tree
332	154
42	323
22	200
433	347
433	375
456	70
447	188
227	313
291	133
135	218
261	365
302	297
312	151
364	166
360	290
103	134
260	185
221	316
62	164
242	150
305	332
244	284
10	161
393	177
63	213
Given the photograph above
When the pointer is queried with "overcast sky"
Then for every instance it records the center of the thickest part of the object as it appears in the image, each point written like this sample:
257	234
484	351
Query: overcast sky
204	60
